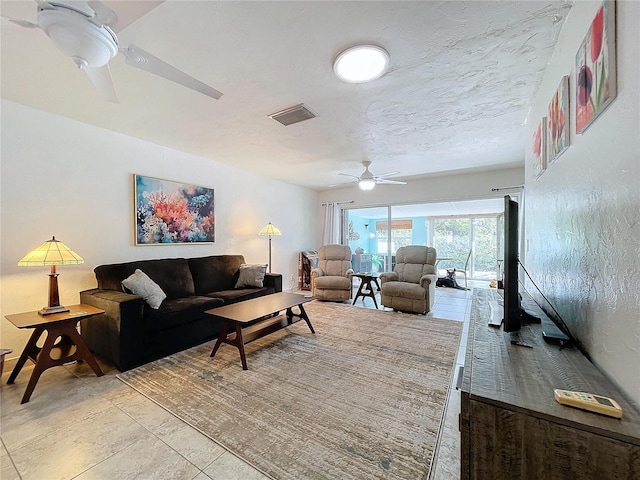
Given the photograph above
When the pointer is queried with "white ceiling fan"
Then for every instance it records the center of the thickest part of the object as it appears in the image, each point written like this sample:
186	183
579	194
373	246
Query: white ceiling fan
367	180
86	32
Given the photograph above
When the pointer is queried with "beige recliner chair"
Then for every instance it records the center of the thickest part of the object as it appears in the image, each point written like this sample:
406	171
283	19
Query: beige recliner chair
331	279
411	287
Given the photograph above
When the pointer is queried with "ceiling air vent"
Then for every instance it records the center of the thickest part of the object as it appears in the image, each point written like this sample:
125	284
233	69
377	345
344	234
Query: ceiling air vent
292	115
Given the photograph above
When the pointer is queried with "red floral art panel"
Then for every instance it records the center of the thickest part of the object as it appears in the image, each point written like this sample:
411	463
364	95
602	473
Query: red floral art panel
171	212
596	67
540	148
558	121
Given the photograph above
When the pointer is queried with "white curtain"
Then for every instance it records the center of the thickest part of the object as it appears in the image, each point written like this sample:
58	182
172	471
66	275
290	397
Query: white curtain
331	233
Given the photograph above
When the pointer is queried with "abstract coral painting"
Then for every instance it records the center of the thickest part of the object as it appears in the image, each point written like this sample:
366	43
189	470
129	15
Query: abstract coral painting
558	121
596	67
171	212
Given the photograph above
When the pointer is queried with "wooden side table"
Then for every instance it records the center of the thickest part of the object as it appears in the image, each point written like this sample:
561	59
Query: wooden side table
70	346
366	287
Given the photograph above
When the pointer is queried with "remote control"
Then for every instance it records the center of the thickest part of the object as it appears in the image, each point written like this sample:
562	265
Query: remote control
590	402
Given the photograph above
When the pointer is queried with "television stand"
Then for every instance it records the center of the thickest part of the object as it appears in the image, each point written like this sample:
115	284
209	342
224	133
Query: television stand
511	425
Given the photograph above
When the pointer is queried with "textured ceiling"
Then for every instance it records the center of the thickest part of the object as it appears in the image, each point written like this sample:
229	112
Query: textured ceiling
455	99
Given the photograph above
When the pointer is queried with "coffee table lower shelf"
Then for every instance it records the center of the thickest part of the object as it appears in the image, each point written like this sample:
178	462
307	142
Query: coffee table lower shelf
247	321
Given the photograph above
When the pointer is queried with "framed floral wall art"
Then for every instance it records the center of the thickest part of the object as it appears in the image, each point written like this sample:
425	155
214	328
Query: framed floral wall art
170	212
540	148
558	121
596	67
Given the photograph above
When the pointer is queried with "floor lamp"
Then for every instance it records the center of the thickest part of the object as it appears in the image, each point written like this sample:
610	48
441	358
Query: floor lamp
269	230
51	253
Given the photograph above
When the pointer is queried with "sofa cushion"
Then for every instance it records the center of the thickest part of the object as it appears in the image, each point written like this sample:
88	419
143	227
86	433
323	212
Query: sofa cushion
251	276
179	311
140	284
225	274
241	294
172	275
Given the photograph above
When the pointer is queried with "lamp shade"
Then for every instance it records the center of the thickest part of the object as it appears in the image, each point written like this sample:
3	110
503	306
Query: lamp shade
51	252
270	230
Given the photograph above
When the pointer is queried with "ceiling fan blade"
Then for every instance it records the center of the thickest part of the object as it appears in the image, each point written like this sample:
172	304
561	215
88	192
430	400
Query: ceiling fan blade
385	175
128	11
389	182
103	15
138	58
340	184
348	175
101	79
22	23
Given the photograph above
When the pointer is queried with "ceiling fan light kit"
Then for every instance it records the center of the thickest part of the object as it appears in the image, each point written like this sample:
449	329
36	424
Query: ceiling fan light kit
362	63
88	44
367	184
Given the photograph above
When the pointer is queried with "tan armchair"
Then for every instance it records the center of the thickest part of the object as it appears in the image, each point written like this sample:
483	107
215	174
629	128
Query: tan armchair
411	287
331	279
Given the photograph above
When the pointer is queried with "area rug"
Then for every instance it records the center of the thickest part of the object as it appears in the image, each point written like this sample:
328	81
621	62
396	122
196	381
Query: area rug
362	398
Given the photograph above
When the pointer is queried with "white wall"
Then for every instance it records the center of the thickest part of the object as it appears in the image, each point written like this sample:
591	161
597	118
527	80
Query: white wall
583	213
75	181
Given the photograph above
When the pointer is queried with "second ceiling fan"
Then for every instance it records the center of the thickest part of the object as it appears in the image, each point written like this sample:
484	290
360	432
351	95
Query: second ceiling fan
367	180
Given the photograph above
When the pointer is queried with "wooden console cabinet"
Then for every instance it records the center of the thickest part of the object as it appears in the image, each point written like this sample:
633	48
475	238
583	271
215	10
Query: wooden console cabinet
512	427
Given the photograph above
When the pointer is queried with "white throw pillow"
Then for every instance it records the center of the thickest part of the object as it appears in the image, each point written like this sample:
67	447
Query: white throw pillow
251	275
140	284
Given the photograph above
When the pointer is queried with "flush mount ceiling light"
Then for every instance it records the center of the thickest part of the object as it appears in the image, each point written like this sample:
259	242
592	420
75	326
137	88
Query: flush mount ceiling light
361	63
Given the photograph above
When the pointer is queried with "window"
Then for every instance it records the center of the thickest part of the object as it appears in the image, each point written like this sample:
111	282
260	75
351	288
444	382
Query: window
453	237
401	234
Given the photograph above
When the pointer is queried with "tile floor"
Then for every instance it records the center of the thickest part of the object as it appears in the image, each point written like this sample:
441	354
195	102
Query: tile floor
78	426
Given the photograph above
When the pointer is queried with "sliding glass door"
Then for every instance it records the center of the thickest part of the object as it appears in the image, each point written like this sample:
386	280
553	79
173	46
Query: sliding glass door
368	244
391	236
374	234
454	238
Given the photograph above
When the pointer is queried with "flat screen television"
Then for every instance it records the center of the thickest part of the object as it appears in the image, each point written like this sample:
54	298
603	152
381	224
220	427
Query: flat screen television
513	315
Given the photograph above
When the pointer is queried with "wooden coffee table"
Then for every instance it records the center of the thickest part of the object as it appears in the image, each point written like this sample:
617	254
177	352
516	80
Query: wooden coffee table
63	343
252	319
